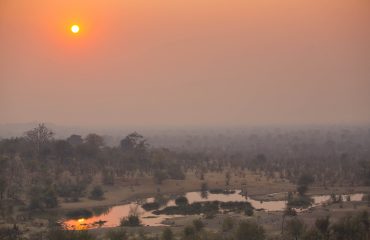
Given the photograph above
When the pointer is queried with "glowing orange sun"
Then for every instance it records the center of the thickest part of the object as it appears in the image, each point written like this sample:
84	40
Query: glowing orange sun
75	28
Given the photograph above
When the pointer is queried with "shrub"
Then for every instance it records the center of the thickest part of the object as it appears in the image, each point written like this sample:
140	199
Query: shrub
198	225
180	201
189	232
159	176
167	234
150	206
131	221
97	193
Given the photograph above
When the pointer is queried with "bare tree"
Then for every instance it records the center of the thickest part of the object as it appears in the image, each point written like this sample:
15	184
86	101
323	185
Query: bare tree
39	136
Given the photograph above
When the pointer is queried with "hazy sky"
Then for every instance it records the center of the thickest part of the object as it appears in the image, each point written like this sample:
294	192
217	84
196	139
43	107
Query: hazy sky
189	62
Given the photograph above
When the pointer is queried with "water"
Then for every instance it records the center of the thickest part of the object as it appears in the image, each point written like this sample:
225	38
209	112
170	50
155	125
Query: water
111	217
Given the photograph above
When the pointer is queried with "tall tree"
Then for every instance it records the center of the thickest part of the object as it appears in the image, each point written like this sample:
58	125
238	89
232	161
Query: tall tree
39	136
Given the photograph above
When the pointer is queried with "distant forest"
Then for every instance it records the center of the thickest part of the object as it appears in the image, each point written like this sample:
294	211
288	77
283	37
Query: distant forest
43	168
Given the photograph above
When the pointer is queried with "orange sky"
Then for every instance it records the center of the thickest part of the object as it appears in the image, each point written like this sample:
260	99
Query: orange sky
193	62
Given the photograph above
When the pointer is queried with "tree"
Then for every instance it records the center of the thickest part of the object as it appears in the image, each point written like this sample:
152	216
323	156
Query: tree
295	228
42	197
354	227
249	230
133	219
75	140
39	136
181	201
3	186
159	176
167	234
227	178
198	225
204	190
97	193
227	224
3	178
94	140
189	232
108	176
50	198
63	149
322	225
133	141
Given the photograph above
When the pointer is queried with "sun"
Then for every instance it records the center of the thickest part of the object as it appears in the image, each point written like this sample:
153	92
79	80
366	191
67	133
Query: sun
75	28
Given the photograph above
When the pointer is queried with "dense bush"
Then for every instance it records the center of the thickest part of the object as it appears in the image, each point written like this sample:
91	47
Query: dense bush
180	201
97	193
150	206
300	201
131	221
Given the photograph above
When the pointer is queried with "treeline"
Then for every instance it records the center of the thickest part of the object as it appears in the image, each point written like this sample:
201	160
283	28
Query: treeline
337	156
44	168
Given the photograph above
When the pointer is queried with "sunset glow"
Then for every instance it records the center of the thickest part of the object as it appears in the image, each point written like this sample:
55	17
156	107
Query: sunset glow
75	28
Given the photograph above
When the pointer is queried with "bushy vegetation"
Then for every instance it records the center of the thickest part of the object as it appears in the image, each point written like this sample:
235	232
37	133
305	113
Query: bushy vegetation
131	221
150	206
97	193
54	168
350	227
